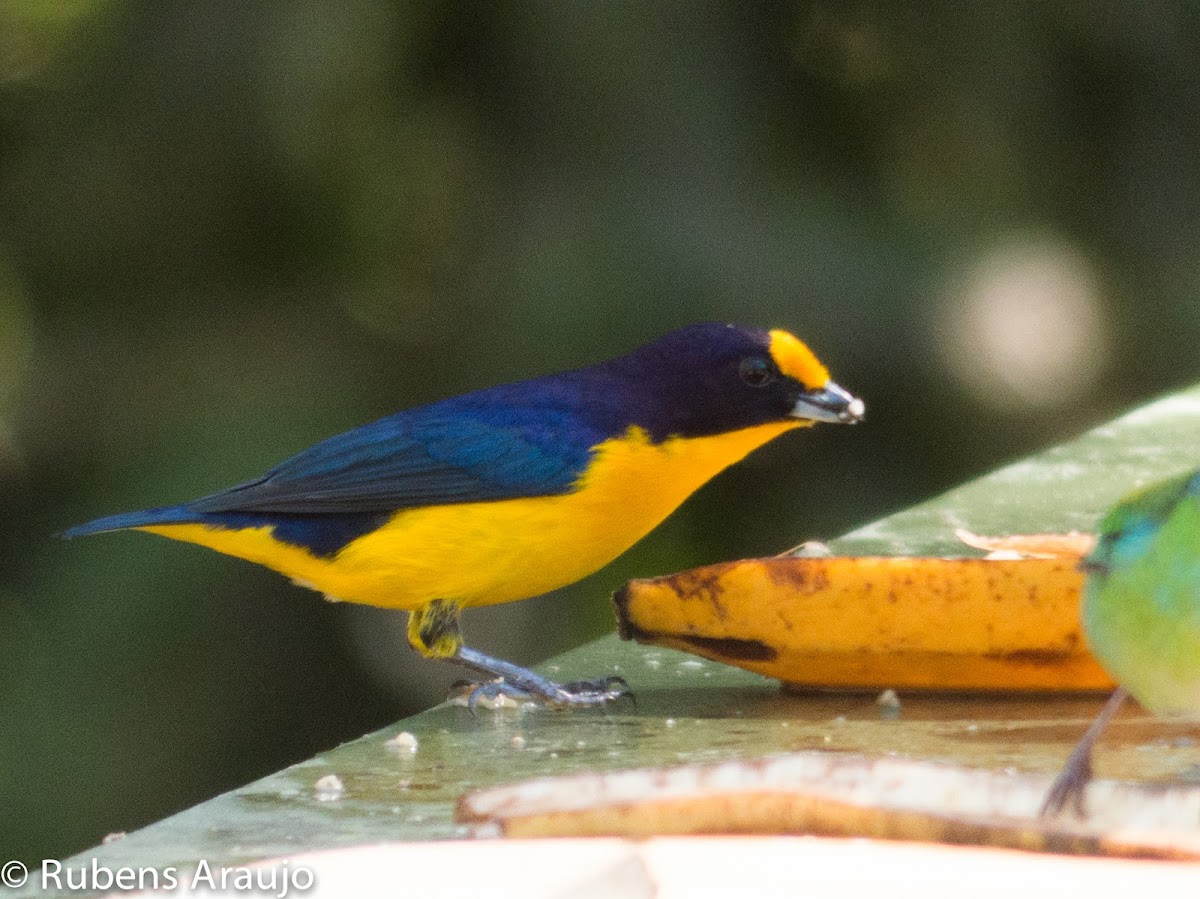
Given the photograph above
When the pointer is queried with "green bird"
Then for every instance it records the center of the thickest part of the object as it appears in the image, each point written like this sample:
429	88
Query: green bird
1141	615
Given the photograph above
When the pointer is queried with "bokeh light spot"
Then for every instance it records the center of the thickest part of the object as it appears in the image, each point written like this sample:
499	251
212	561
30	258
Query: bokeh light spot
1022	325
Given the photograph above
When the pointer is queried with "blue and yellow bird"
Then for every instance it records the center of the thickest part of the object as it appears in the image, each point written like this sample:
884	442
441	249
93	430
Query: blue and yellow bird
513	491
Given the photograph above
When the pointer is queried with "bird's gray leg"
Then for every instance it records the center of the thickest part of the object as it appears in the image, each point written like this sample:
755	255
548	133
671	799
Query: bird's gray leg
1071	784
434	631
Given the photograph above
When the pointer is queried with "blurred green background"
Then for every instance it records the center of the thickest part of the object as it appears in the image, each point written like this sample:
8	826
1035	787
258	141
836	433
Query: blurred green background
230	229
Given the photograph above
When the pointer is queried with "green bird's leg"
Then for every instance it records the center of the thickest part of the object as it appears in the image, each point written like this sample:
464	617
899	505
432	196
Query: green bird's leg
434	632
1071	783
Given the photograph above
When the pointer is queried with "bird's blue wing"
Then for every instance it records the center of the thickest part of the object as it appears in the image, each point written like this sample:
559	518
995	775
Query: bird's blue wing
432	456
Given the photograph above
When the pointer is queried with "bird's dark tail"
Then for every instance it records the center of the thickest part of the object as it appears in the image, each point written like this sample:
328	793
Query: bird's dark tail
164	515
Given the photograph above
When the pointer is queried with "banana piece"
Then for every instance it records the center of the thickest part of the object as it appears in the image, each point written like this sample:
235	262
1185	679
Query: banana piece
876	622
843	794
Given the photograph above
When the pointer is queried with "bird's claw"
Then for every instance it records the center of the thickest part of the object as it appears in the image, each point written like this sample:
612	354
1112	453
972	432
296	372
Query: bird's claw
596	691
493	691
582	693
1068	789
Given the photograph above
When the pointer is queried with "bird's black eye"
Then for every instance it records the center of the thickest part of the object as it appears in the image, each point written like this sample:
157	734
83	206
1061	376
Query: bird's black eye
755	371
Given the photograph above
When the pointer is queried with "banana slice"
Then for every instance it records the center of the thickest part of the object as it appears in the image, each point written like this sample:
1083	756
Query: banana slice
876	622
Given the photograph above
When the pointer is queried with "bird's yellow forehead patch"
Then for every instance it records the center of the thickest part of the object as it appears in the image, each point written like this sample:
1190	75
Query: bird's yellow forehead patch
797	361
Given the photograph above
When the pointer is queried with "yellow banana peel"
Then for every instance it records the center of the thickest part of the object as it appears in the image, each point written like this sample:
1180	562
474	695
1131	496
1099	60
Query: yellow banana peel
1000	624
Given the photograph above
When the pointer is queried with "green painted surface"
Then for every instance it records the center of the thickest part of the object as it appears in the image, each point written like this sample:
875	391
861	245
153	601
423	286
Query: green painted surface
1064	488
689	710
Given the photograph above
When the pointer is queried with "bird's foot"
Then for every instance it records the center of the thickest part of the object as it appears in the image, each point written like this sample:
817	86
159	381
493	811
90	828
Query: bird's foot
1068	789
596	691
600	691
520	684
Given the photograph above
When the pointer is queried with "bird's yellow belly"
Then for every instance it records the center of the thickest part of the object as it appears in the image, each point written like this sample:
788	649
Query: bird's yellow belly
493	552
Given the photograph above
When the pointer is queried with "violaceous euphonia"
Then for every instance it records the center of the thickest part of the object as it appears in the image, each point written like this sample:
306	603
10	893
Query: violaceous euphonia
1141	615
513	491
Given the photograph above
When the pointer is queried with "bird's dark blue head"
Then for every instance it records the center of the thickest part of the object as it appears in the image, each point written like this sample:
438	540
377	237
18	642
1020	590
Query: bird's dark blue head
711	378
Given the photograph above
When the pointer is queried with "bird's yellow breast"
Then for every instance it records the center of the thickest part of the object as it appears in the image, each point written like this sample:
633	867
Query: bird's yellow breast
491	552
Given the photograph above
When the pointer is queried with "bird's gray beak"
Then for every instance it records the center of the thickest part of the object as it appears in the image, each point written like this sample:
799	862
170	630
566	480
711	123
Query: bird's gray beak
829	403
